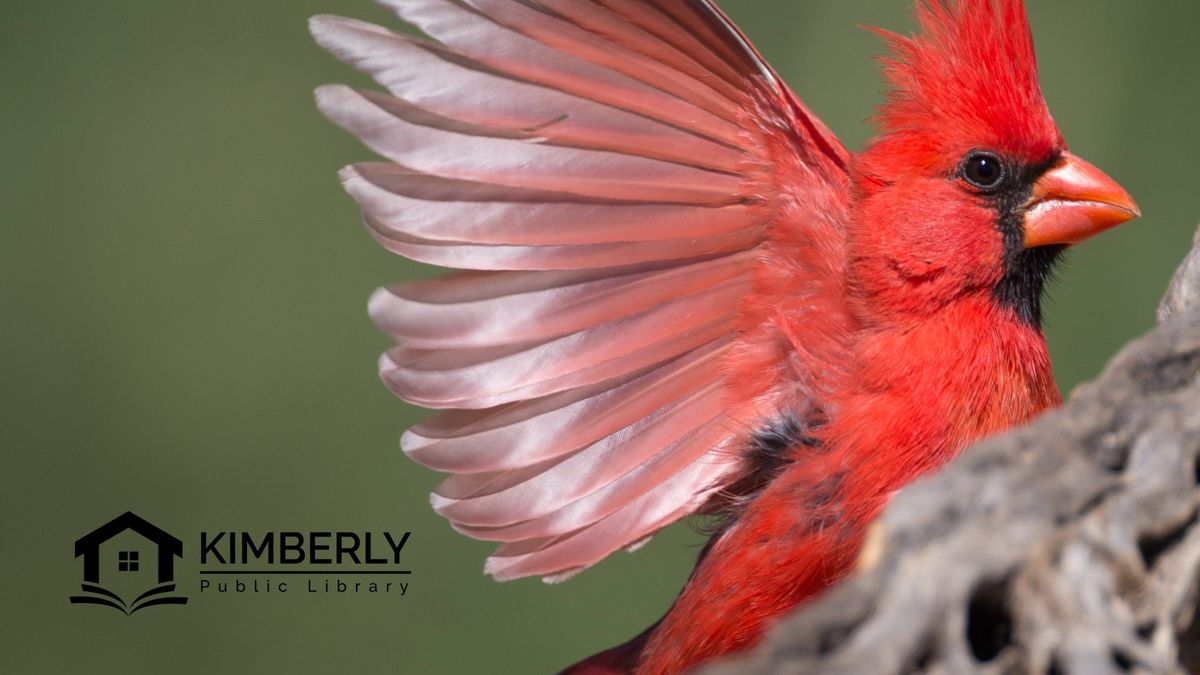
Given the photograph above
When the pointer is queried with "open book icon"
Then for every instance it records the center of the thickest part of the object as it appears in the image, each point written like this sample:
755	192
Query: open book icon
155	596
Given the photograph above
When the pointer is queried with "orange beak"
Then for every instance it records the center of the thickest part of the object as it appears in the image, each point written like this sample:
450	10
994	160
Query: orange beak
1074	201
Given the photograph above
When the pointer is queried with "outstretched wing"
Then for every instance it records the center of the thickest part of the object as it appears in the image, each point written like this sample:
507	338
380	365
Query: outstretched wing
609	173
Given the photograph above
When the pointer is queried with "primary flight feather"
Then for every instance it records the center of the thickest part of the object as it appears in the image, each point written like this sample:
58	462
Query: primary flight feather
683	295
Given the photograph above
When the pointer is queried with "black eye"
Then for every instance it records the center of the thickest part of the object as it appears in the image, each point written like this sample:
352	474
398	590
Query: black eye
983	170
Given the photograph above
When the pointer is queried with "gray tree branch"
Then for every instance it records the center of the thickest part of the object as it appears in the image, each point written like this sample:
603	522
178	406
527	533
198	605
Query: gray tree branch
1068	547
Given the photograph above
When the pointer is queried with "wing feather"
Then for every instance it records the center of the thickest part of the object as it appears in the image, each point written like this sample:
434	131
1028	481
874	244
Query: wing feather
652	444
516	307
607	173
489	376
540	224
558	557
479	38
503	439
421	145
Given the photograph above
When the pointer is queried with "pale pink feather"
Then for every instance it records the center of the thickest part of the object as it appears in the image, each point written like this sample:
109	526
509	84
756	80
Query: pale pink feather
616	254
430	77
530	432
558	557
502	310
599	475
417	144
564	36
478	37
487	376
543	223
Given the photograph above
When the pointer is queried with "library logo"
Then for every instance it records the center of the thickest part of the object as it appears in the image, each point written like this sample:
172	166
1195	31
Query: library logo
130	564
128	557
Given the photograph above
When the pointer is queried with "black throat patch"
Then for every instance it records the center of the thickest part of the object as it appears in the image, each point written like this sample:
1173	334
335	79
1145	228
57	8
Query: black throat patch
1026	270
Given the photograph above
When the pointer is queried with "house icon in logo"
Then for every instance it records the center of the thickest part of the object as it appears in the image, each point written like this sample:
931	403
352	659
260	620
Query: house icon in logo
168	548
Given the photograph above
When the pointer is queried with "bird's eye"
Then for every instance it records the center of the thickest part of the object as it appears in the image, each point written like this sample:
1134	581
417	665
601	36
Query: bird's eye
983	170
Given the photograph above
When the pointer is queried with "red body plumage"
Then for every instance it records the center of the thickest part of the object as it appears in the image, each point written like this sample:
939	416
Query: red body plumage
689	297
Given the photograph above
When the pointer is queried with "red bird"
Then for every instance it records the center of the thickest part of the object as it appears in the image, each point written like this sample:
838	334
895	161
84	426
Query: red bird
685	295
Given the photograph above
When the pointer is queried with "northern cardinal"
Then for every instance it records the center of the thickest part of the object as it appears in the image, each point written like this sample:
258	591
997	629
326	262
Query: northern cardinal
685	295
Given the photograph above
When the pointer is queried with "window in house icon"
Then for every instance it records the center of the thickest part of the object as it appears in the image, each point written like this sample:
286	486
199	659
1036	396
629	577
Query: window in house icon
127	561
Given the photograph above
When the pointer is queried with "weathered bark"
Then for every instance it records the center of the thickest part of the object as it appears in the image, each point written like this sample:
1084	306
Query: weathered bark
1071	546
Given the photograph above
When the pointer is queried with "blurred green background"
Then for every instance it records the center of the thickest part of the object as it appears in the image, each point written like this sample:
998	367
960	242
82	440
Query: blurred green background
185	334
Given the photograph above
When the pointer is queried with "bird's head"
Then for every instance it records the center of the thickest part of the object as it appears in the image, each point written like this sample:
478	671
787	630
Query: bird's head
969	187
